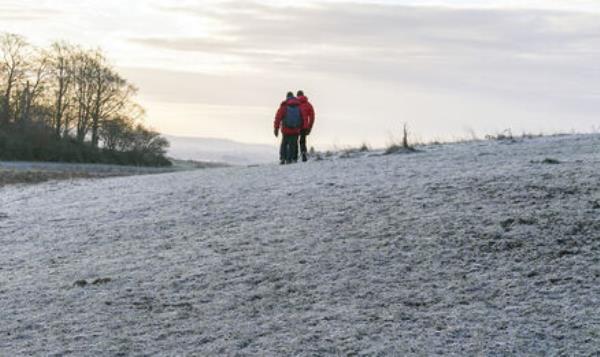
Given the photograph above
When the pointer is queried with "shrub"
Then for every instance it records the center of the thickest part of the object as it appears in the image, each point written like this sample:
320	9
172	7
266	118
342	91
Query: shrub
35	144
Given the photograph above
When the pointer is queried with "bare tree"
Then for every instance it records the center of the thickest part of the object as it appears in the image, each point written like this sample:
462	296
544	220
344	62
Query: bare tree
13	50
84	67
112	94
61	76
114	133
48	96
35	82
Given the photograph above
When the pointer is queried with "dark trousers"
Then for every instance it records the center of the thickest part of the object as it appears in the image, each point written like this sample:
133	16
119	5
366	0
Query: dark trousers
289	148
303	143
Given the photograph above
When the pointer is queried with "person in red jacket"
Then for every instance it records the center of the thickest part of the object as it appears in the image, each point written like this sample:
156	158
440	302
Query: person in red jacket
291	121
309	114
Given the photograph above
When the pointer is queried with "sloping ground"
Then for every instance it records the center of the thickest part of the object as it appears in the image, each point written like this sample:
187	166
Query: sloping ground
466	249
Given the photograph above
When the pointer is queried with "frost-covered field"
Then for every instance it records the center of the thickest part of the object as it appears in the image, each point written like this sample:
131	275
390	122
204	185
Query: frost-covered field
465	249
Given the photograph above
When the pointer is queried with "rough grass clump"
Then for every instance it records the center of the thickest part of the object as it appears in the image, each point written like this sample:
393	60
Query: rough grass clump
506	135
353	152
404	147
399	149
550	161
10	177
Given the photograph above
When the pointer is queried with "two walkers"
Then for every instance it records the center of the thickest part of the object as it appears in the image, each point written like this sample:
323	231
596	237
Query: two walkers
295	118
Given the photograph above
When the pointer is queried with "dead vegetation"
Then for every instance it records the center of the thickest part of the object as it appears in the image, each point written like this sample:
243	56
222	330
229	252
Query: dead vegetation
11	177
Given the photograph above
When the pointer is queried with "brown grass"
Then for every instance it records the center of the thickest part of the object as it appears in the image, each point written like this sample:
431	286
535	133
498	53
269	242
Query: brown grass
11	177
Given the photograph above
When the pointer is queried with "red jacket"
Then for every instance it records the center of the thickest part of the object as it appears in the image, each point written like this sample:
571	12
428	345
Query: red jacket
281	114
308	112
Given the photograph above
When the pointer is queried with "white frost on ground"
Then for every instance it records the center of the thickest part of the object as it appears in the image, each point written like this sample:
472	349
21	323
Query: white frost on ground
465	249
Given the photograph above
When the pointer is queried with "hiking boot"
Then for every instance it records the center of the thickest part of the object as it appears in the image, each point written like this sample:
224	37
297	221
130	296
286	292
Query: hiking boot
304	157
281	162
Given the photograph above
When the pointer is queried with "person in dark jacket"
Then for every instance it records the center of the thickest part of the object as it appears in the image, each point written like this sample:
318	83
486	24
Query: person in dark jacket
308	113
290	120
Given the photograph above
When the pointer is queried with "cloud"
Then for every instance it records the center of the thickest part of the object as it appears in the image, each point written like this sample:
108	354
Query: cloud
521	63
14	13
434	31
523	54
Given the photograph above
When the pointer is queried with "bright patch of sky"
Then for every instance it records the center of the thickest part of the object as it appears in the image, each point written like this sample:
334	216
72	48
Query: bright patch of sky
220	68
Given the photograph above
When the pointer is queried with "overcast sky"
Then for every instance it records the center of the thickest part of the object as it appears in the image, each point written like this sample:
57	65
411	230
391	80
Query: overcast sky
221	68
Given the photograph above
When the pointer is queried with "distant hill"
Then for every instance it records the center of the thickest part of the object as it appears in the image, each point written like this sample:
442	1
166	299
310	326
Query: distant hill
220	150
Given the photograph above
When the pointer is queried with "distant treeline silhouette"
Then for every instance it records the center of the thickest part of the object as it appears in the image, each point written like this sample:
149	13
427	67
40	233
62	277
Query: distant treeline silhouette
66	103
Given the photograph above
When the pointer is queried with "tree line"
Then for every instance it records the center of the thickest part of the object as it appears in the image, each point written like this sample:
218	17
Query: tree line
67	103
